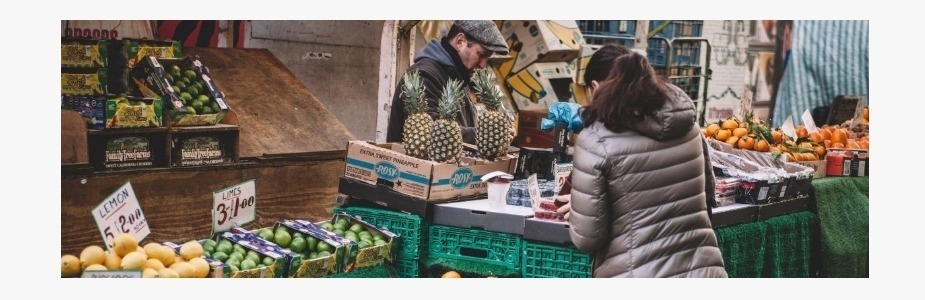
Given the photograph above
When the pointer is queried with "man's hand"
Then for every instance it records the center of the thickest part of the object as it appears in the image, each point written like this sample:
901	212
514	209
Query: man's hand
565	208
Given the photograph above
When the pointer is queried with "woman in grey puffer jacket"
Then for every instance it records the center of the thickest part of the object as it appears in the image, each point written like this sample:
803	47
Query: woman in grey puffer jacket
639	184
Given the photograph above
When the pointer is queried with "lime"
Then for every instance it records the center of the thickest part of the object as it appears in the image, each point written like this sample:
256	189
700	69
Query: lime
189	74
209	243
203	98
197	105
327	226
190	110
339	231
176	90
185	80
379	242
312	243
377	236
268	261
298	234
323	253
282	228
282	238
199	85
170	78
324	247
266	234
248	264
356	228
223	248
175	68
207	254
233	262
261	266
298	244
365	233
252	255
367	239
238	247
340	226
236	256
342	221
225	242
215	107
176	74
313	255
180	86
350	235
192	90
208	248
220	256
363	244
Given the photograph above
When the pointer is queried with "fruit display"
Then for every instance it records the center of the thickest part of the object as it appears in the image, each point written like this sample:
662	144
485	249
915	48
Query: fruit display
419	126
187	85
493	126
374	246
447	136
234	255
153	260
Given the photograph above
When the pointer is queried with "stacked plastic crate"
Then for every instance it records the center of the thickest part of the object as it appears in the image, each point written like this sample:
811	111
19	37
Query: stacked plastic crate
599	32
685	69
410	227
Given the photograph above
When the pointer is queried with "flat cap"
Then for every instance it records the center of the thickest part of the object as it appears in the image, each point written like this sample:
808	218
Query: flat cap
485	32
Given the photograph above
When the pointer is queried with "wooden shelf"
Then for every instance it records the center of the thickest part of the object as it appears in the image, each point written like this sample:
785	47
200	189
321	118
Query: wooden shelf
213	128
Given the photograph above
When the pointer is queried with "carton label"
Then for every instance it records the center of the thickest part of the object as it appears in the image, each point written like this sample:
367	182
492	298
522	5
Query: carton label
201	151
121	114
81	55
81	84
128	152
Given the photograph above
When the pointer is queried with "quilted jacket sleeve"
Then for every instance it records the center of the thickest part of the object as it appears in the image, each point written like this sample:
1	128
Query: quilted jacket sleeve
589	217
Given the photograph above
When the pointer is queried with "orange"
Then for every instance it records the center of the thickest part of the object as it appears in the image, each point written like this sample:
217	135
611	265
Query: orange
723	134
746	143
451	274
864	144
712	129
802	131
731	141
866	115
778	137
820	150
825	133
730	124
827	143
815	137
837	145
840	136
852	144
806	145
740	132
762	146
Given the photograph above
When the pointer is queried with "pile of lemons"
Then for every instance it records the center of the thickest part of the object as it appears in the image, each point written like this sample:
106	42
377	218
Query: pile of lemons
154	260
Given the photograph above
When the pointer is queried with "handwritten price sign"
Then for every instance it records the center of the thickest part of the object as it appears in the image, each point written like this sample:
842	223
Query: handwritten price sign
533	188
120	213
234	206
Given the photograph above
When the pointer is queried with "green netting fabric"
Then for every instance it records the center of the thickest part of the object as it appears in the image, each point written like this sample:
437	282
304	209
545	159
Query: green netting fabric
743	248
790	244
468	269
378	271
844	224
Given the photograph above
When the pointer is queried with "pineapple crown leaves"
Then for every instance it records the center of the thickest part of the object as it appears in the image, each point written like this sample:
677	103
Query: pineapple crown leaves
485	88
413	93
449	101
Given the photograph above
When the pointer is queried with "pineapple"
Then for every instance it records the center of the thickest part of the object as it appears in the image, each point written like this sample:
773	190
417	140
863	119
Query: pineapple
447	137
493	126
418	125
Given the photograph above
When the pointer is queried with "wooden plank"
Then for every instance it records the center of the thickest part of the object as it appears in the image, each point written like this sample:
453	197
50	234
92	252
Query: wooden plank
178	202
276	113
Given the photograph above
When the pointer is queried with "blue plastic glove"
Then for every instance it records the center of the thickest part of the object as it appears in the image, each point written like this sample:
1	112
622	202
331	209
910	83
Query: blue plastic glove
569	113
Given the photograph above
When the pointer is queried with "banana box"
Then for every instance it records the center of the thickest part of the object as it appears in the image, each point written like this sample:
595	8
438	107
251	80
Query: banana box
84	81
193	97
135	50
376	245
542	84
541	41
321	255
133	112
84	53
217	269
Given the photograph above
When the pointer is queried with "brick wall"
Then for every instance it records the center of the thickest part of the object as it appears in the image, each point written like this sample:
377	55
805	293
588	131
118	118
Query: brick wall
729	63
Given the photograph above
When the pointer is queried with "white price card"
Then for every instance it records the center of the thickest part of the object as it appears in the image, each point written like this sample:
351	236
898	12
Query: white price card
234	206
120	213
858	111
112	274
533	187
809	122
788	128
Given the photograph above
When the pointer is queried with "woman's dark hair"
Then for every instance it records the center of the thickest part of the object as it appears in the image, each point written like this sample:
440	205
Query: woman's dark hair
630	92
601	62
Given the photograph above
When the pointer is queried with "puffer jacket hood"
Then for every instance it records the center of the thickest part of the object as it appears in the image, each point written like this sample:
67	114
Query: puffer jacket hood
434	50
673	120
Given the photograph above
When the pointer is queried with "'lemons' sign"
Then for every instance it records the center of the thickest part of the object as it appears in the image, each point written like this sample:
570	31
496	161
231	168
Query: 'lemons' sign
120	213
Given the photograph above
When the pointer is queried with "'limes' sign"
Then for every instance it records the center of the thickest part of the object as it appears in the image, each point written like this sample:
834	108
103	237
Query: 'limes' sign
234	206
120	213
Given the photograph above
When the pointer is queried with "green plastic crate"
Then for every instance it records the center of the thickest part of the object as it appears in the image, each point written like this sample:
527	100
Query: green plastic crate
410	227
543	260
408	268
475	245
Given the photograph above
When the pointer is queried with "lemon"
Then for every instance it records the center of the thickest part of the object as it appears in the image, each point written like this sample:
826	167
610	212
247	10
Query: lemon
155	264
70	266
96	267
167	273
134	261
184	269
92	255
190	250
200	267
153	250
149	273
113	261
451	274
124	243
167	256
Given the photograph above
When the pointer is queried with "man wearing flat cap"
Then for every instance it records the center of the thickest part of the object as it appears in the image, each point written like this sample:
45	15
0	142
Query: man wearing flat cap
465	48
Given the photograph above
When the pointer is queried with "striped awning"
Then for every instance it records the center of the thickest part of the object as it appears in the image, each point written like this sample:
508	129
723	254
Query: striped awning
827	58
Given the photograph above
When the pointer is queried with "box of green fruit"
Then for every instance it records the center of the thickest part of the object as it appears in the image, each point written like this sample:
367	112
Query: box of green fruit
376	245
186	85
323	252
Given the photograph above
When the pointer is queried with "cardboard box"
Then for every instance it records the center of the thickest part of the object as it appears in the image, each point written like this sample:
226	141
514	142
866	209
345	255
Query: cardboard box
819	167
128	148
84	53
133	112
318	266
84	81
251	242
541	85
848	162
387	164
151	80
372	255
542	41
204	145
345	250
478	214
91	108
135	50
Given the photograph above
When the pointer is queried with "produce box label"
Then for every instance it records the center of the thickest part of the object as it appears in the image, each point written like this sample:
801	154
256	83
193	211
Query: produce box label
201	151
128	152
86	83
123	113
84	53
